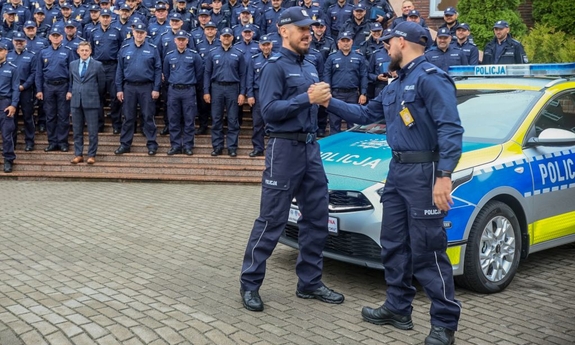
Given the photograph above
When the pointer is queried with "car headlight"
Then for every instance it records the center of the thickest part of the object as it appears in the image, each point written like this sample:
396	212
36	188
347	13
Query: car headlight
346	201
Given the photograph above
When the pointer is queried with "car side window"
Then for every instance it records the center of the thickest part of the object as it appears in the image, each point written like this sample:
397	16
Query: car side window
558	113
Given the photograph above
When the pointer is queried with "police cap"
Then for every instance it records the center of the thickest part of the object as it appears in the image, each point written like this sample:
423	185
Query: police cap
265	39
39	10
450	11
414	13
125	7
245	10
105	12
375	27
345	35
203	12
66	5
226	31
443	32
248	27
3	46
297	16
18	36
210	24
410	31
29	24
69	24
501	24
182	34
141	27
10	10
175	16
463	26
359	7
56	31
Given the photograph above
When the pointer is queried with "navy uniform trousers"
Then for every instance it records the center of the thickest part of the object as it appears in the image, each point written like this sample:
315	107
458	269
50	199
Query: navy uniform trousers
26	104
8	127
182	110
135	94
225	95
413	244
258	124
57	110
348	96
115	105
292	169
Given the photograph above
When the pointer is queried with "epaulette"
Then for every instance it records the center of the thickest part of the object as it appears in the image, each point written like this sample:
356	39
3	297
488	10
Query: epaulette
429	68
170	52
192	50
94	28
314	50
214	48
66	47
256	55
335	52
153	45
274	58
81	38
125	45
165	32
11	64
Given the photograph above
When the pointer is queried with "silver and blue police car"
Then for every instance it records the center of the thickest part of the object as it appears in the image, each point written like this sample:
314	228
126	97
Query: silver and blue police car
513	189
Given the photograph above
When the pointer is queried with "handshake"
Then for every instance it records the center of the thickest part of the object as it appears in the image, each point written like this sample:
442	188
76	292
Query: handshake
319	93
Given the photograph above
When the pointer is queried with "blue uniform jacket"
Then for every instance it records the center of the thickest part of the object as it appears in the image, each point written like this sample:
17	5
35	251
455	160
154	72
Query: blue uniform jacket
429	94
10	82
254	72
25	62
378	64
326	45
183	67
346	71
337	16
106	44
36	44
284	82
443	59
139	64
270	19
470	51
204	46
52	64
225	66
509	51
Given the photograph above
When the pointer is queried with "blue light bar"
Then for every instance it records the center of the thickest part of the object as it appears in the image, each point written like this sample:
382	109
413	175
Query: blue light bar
555	69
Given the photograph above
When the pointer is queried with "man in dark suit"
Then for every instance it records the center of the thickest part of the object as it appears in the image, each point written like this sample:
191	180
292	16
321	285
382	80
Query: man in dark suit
87	83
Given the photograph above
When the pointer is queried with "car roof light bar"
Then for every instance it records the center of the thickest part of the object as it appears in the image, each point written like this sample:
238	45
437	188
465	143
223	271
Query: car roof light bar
552	69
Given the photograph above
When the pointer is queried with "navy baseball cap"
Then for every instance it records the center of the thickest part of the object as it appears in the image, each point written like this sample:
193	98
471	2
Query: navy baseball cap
226	31
3	46
10	10
359	7
29	24
245	10
182	34
140	27
297	16
410	31
95	8
56	31
104	1
161	6
19	36
203	11
248	27
105	12
210	24
375	27
413	13
464	26
443	32
450	11
265	39
320	22
125	7
345	34
175	16
181	1
39	10
69	24
66	5
501	24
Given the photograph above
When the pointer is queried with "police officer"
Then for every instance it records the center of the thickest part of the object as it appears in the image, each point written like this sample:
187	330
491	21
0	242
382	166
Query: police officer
52	86
138	81
93	22
225	72
315	12
35	42
246	20
188	17
220	15
322	41
9	25
210	42
379	11
450	21
106	41
503	49
378	72
71	40
424	131
246	43
357	25
52	12
337	15
373	42
25	61
444	54
22	12
346	73
406	8
293	167
182	71
198	32
464	42
271	16
42	25
124	23
9	97
159	23
253	82
414	16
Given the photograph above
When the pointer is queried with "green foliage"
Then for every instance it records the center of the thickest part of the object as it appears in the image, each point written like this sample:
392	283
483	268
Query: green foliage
482	14
546	44
559	14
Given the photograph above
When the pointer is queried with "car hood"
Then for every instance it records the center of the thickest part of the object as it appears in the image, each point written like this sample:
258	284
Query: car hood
355	161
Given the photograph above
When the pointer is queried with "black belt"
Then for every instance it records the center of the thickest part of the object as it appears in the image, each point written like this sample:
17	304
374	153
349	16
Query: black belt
138	83
415	156
182	86
226	83
353	89
4	97
57	81
108	62
301	137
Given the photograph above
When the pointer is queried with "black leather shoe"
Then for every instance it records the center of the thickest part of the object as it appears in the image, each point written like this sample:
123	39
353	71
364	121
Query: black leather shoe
232	152
384	316
252	300
29	148
51	147
8	168
189	152
117	131
256	153
217	152
41	128
202	130
440	336
173	151
323	294
64	148
152	152
165	131
122	150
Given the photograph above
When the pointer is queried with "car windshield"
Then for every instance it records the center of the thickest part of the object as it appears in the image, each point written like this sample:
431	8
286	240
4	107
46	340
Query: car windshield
488	116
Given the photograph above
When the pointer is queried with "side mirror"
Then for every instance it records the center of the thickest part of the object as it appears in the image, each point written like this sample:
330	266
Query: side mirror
553	137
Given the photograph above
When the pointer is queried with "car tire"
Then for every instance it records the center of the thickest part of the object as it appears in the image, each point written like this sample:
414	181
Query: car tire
493	250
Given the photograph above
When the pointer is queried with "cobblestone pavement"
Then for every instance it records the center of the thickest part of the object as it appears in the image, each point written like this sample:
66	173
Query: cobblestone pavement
112	263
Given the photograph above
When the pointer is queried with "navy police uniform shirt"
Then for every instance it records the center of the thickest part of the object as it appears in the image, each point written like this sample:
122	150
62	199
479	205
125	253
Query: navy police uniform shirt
106	43
443	59
285	106
52	64
254	72
36	44
25	62
368	47
166	42
326	45
270	20
429	94
183	67
378	64
510	51
337	16
346	71
250	49
9	83
469	49
204	46
227	66
138	65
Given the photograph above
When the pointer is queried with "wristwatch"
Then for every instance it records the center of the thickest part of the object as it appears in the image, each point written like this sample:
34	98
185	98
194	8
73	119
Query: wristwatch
443	173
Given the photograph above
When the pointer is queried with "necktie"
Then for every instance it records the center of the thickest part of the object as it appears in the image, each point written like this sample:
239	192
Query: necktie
83	71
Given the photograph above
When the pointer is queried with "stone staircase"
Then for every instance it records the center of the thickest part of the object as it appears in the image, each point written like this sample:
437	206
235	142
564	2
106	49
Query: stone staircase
137	165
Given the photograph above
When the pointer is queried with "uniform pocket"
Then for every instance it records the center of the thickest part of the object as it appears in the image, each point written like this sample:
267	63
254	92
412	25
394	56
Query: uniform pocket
428	222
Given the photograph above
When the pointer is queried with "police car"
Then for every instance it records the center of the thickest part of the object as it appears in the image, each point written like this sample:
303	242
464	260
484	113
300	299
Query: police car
513	189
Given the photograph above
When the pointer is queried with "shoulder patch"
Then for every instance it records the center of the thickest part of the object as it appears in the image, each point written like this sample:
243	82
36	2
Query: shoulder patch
170	52
429	68
11	64
274	58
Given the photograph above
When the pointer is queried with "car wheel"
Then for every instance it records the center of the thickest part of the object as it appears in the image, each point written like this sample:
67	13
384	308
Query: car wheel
493	250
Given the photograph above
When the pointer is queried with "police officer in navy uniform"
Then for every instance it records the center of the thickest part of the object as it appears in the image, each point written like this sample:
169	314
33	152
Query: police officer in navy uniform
373	42
270	17
464	42
253	83
346	72
321	41
293	167
35	42
358	25
444	54
52	86
337	15
138	81
424	131
225	87
9	97
182	71
503	49
450	21
25	61
106	41
378	72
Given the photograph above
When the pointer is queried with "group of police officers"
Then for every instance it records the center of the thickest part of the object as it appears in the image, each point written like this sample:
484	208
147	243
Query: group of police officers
201	57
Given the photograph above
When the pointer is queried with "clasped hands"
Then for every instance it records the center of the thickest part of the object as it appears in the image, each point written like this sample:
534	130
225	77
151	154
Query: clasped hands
319	93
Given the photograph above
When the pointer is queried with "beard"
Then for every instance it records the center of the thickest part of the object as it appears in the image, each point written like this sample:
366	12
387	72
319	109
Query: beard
395	63
296	48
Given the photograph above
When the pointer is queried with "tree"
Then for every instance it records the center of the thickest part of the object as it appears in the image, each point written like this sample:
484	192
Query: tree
558	14
482	14
545	44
